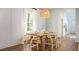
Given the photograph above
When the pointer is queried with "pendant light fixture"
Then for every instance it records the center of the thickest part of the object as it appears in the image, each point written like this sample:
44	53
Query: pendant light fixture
44	13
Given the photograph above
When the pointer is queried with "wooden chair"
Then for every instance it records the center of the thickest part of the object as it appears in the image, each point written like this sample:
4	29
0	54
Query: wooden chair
34	43
47	43
53	39
58	42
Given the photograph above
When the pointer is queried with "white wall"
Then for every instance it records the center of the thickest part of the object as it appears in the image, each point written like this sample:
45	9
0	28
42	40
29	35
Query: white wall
5	27
17	25
54	21
77	25
57	14
40	22
11	27
70	15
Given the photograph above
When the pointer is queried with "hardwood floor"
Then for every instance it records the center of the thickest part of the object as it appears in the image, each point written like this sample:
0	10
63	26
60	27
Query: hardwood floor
14	48
66	45
77	46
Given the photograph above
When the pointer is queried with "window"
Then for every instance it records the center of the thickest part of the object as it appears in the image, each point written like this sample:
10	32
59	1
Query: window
29	23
